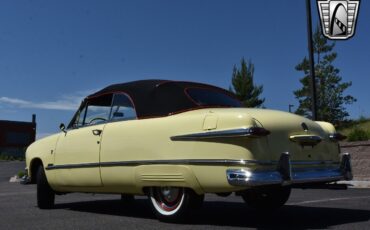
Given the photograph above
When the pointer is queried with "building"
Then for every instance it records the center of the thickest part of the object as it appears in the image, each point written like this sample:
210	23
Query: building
16	136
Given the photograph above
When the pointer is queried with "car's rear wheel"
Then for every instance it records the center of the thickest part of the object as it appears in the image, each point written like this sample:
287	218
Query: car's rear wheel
264	199
45	194
174	203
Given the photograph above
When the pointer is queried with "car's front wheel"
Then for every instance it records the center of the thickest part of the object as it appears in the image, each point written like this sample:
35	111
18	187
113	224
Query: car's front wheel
45	194
264	199
174	203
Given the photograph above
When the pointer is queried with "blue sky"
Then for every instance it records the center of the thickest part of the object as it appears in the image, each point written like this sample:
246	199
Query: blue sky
53	53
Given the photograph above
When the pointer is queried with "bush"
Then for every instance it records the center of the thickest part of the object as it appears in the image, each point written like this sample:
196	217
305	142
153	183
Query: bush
363	119
352	123
6	157
358	134
20	174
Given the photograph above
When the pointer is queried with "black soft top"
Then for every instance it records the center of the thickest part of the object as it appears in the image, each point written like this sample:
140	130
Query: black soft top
153	98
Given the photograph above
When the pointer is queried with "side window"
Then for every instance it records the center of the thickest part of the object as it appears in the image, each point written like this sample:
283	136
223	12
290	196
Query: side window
80	117
98	110
122	108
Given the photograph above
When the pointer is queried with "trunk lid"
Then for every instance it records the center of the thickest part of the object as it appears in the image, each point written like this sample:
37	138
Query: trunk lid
304	139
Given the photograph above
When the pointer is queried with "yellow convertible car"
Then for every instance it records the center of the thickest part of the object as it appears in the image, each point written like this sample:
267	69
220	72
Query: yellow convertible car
175	141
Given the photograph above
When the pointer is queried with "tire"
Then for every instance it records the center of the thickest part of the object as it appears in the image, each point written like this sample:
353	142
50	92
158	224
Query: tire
45	194
266	199
172	204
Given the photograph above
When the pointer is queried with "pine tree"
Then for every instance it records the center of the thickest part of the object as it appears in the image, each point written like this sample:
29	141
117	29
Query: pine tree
329	85
243	86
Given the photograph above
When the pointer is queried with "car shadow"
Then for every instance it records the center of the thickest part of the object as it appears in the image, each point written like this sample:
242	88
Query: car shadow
233	214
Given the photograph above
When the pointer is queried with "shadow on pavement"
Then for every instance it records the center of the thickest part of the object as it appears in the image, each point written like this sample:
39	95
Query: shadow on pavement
233	214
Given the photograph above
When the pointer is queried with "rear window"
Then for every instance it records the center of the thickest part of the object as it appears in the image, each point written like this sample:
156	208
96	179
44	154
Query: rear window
212	97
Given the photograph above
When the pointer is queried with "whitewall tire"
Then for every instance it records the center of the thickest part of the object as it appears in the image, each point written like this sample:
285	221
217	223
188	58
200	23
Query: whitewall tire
173	203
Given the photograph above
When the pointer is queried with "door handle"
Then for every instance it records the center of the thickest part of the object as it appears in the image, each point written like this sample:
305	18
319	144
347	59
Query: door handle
97	132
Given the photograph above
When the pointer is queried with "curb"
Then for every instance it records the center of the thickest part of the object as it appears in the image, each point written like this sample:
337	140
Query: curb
356	184
14	179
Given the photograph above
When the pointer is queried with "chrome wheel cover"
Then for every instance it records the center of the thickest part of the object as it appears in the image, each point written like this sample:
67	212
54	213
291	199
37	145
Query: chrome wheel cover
167	200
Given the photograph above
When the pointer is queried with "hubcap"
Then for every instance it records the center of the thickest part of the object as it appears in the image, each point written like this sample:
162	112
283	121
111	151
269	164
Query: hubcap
167	200
170	195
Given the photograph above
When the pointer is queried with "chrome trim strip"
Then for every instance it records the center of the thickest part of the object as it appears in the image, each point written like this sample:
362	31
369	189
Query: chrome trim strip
306	139
242	132
314	162
337	137
210	162
221	162
72	166
297	162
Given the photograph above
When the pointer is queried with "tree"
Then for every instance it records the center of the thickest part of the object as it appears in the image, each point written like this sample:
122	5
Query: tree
329	86
243	86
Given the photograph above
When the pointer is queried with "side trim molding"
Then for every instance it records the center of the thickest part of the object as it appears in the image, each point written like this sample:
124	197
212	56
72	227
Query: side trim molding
73	166
206	162
217	162
306	140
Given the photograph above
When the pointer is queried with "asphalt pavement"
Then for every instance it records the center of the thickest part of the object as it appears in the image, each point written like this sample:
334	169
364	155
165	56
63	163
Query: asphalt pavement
306	209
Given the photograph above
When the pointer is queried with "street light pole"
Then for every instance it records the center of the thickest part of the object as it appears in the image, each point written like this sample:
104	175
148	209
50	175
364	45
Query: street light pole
311	60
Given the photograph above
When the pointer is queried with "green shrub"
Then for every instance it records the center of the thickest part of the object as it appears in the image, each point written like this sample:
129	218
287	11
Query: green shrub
362	119
20	174
6	157
358	134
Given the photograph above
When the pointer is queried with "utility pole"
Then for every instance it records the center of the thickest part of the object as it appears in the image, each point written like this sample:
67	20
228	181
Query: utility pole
311	60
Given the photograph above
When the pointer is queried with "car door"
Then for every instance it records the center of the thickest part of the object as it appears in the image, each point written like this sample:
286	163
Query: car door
115	147
77	155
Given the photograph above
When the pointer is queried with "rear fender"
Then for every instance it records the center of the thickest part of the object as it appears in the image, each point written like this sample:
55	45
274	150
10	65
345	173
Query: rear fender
166	175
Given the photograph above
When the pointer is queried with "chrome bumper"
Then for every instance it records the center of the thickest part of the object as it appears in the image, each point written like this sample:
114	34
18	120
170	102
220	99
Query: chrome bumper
286	175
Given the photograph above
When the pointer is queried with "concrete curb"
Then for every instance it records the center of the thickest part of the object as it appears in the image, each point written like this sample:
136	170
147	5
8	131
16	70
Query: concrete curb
356	184
15	179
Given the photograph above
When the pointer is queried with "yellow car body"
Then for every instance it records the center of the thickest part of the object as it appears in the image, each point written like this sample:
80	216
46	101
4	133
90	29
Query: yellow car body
206	149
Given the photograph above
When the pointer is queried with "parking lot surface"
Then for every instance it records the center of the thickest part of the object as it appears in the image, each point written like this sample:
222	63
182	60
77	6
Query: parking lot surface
306	209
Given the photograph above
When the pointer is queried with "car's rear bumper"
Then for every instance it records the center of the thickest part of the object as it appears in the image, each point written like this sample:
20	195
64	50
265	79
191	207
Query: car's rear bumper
286	175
